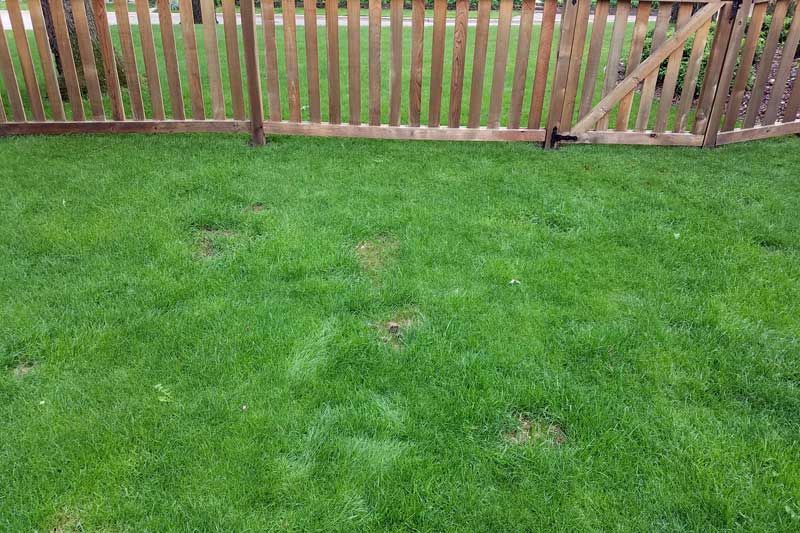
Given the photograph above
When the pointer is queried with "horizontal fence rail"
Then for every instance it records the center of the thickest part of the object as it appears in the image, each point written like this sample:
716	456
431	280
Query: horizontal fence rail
692	73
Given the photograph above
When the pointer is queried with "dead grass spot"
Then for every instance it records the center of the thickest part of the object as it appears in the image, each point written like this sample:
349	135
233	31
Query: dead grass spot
392	332
23	369
373	255
208	238
257	207
67	523
531	431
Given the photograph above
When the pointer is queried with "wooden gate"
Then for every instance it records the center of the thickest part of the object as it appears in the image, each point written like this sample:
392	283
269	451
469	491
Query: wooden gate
681	72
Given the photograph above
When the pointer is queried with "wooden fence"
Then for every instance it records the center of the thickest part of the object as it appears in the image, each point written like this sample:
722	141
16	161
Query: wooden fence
693	73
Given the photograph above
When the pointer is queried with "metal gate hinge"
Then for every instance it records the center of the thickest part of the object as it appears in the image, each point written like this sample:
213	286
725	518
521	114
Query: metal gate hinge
556	137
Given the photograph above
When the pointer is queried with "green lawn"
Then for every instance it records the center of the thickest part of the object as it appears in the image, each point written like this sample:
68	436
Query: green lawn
195	335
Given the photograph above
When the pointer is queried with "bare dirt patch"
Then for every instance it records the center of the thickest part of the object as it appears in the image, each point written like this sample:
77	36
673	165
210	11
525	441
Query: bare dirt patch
208	237
533	431
257	207
374	254
23	369
393	331
67	523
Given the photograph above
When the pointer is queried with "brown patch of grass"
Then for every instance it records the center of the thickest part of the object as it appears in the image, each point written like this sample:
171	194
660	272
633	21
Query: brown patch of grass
392	331
532	431
208	236
23	369
373	254
67	523
257	207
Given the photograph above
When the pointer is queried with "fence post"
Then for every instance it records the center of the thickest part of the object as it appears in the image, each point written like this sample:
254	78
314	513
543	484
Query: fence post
250	44
737	11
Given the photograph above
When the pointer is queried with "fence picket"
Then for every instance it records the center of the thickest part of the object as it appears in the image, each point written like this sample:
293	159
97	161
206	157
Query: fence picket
500	62
437	62
593	60
209	13
312	60
10	78
543	54
458	62
232	56
25	60
271	58
170	60
129	59
109	60
290	54
690	79
634	58
671	76
415	82
334	82
784	68
354	60
576	59
479	63
746	63
65	54
765	64
521	62
396	73
374	62
614	54
47	62
150	61
649	86
192	65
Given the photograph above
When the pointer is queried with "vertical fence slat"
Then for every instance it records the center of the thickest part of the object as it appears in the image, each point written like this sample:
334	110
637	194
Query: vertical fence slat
691	76
192	65
25	60
765	63
415	82
634	58
150	61
458	62
129	59
374	62
3	117
730	59
10	78
521	62
86	51
716	59
109	61
543	54
615	53
649	86
271	57
593	59
232	56
47	60
479	63
745	65
437	62
354	60
250	43
576	59
500	63
784	68
213	70
396	73
170	53
65	54
671	76
334	81
312	60
559	86
290	54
